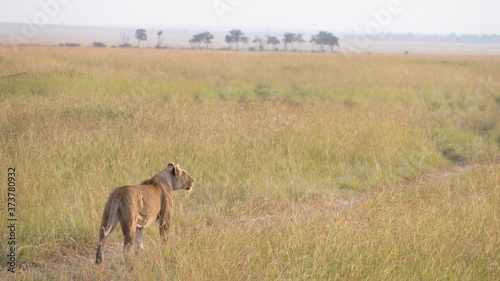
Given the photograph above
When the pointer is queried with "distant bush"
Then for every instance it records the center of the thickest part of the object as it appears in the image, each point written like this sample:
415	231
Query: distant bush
99	45
70	44
125	45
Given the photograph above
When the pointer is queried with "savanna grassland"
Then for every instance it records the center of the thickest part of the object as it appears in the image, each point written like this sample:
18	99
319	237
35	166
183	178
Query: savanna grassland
307	166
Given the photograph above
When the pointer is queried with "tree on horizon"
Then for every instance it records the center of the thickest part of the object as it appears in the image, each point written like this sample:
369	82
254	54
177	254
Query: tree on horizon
159	33
234	36
288	38
140	35
260	42
300	40
273	40
244	40
204	37
324	38
125	38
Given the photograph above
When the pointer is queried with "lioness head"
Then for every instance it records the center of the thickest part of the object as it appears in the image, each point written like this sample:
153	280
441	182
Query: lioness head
180	178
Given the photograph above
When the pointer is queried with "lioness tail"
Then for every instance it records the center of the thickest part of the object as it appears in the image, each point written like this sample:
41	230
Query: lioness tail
113	218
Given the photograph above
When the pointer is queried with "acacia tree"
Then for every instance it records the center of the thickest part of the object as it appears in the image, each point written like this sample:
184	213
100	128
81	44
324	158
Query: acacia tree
125	38
300	40
314	42
159	33
234	37
244	40
288	38
273	40
324	38
140	35
260	42
195	41
207	38
204	37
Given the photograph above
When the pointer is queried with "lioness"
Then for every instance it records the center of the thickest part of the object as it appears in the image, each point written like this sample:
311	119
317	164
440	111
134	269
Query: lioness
138	206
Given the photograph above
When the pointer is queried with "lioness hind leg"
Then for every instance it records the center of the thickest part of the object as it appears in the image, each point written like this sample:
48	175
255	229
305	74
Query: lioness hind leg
128	230
139	245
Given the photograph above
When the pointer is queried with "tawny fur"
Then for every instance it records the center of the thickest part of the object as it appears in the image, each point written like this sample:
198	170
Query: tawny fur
139	206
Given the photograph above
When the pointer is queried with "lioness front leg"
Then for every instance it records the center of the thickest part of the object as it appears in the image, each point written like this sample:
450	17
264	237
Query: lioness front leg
165	225
164	231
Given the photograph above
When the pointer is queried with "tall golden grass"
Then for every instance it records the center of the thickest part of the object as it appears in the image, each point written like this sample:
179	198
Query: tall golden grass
302	162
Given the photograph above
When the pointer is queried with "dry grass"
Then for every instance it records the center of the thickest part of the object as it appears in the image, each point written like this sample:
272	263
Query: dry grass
297	157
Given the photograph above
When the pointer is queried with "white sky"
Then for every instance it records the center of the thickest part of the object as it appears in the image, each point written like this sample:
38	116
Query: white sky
418	16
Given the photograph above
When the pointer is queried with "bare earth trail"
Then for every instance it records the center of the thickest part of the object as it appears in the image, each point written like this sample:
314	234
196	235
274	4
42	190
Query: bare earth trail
330	204
296	210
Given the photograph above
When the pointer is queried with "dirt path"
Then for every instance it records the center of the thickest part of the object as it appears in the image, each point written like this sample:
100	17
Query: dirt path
334	203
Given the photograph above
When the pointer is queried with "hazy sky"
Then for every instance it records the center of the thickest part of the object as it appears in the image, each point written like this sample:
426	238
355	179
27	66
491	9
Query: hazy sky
418	16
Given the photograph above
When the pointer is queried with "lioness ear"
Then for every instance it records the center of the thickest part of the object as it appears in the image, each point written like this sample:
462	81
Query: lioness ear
171	168
177	170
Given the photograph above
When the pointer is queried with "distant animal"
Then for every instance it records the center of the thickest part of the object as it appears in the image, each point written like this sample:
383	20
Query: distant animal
139	206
